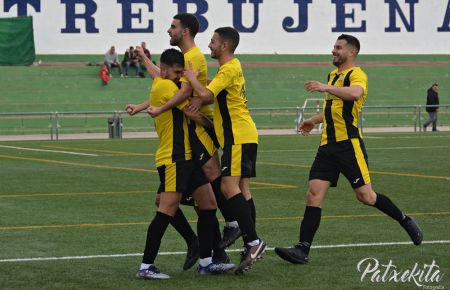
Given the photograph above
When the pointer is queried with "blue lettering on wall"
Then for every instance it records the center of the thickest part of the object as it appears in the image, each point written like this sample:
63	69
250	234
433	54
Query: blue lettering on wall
22	6
394	8
288	22
341	16
202	8
128	16
237	15
91	8
446	25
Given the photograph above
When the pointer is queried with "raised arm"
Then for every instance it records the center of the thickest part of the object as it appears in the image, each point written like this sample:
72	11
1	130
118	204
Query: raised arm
152	69
352	93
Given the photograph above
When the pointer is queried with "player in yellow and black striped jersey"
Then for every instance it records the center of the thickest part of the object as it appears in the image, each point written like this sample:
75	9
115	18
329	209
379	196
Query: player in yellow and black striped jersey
171	126
236	133
341	117
177	172
341	149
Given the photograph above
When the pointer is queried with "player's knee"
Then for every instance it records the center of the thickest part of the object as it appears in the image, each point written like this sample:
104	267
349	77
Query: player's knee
207	205
366	198
314	197
247	194
211	170
225	190
168	210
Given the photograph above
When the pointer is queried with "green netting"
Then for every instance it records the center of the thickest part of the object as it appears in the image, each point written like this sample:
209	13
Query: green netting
16	41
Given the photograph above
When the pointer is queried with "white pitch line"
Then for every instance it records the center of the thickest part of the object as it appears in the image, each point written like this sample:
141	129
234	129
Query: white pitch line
52	151
235	250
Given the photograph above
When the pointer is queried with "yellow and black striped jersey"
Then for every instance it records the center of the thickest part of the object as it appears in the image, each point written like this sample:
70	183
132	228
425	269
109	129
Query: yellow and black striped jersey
232	121
340	118
198	61
171	125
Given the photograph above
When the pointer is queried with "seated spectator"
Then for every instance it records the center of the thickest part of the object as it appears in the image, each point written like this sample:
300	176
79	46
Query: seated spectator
104	74
131	59
112	60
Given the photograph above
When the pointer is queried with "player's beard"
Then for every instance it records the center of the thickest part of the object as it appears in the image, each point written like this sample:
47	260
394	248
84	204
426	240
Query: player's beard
175	41
338	60
214	54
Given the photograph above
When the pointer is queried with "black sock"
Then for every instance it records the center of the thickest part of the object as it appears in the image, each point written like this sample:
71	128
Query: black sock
385	205
240	210
251	204
182	226
221	200
207	222
217	236
309	226
155	233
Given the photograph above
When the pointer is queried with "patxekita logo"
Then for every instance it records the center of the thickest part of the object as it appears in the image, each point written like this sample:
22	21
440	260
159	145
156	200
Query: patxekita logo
425	276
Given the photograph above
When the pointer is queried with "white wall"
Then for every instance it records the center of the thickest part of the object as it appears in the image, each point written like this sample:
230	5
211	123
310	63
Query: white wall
420	36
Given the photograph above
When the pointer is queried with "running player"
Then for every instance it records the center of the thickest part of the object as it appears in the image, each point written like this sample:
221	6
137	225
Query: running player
341	149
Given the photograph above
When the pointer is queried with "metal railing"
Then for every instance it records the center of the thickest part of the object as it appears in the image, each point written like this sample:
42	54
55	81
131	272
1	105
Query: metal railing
116	122
390	116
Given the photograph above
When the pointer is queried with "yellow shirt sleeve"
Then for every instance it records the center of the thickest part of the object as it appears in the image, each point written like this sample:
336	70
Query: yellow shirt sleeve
162	91
221	81
359	78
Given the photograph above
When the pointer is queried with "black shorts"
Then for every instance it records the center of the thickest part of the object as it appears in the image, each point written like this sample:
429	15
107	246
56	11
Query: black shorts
183	177
239	160
204	143
348	157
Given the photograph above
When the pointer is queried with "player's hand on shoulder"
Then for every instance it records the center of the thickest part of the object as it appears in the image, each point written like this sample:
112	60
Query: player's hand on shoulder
189	72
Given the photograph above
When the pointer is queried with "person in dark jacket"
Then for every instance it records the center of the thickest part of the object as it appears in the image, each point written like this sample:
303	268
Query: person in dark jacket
131	59
432	106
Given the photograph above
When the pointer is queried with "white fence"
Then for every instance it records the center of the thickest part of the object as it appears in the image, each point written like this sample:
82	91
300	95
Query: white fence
115	123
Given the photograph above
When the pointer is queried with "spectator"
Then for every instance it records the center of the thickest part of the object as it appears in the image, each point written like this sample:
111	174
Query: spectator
104	74
432	106
131	59
112	60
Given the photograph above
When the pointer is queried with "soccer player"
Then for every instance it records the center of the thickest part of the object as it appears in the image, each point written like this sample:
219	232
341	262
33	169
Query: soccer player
182	32
178	174
236	133
341	149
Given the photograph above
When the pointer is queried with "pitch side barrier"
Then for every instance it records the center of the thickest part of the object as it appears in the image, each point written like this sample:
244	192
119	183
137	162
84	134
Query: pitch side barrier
382	116
114	123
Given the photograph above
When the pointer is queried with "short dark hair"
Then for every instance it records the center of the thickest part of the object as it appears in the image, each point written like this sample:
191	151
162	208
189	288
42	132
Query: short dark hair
351	40
230	35
172	57
189	21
